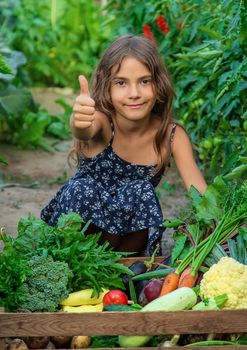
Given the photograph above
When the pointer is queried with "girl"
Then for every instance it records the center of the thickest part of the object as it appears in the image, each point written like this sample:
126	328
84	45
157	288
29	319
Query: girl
124	138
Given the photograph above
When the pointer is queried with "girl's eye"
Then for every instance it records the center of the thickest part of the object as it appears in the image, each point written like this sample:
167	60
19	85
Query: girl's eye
146	81
120	82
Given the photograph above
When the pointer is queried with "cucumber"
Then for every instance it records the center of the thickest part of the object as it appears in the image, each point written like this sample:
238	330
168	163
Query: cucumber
153	274
121	307
117	307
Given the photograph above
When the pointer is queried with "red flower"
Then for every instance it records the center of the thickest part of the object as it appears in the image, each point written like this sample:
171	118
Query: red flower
148	33
161	23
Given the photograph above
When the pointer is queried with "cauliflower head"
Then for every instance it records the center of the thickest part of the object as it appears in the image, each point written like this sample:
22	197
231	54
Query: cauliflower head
227	276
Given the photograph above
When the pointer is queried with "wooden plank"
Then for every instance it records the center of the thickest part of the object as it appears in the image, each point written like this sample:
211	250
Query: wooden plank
2	344
115	323
228	347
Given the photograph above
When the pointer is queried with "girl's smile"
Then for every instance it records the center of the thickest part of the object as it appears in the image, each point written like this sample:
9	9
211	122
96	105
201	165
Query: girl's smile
136	106
132	90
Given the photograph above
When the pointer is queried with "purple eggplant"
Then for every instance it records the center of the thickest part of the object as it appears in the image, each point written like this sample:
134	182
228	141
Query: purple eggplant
137	267
150	291
139	286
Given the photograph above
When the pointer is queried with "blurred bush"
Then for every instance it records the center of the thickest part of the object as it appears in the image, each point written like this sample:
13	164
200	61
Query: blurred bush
22	121
61	39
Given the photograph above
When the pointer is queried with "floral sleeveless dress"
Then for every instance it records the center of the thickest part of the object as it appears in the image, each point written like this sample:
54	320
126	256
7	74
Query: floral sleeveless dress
116	195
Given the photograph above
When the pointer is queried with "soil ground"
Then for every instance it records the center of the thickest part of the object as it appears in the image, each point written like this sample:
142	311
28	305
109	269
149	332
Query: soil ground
32	177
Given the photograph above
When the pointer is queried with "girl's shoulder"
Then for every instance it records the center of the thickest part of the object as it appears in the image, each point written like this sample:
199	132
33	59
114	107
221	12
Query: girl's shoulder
171	130
179	140
175	130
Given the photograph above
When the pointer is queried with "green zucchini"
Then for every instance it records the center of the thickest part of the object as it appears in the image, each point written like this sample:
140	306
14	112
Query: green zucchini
121	307
180	299
153	274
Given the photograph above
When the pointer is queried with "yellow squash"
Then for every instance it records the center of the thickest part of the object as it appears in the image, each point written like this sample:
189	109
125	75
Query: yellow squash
83	297
83	308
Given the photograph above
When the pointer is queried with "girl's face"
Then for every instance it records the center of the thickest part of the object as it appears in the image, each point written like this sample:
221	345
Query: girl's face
132	90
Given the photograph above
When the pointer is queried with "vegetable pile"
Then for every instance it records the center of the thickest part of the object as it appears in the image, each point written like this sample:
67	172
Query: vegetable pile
217	228
62	269
72	261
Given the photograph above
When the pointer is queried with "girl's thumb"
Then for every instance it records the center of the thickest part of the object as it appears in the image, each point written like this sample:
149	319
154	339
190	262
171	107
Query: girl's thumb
84	90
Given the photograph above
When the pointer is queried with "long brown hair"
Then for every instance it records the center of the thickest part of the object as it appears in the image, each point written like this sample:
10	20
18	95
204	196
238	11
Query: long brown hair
144	51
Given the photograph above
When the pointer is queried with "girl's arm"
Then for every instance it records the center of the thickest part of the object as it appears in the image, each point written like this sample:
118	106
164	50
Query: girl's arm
183	155
85	122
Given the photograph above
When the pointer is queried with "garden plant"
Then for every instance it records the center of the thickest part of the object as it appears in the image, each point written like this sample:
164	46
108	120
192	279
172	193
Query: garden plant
202	43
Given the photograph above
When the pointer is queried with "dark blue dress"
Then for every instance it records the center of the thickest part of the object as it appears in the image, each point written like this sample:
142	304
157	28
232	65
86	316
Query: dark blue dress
116	195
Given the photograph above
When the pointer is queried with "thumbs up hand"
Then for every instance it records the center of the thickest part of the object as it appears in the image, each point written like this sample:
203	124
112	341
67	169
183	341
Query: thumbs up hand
83	109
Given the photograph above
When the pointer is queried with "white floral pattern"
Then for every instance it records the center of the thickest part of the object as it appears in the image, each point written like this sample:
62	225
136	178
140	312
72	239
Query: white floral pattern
116	195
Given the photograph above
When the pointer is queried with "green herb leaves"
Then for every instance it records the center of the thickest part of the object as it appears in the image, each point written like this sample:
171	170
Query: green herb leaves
93	265
218	215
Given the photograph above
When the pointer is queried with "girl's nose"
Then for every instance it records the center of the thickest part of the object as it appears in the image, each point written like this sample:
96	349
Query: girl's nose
134	91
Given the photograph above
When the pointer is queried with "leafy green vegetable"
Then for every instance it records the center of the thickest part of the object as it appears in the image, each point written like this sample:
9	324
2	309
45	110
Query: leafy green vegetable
218	215
172	223
47	285
13	271
208	207
93	265
179	246
104	341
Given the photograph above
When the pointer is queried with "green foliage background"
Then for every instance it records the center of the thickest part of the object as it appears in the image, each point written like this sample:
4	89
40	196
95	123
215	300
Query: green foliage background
205	51
61	39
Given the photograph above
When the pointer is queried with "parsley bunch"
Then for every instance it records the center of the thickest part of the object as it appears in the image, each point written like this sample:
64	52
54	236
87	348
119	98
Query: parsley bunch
93	265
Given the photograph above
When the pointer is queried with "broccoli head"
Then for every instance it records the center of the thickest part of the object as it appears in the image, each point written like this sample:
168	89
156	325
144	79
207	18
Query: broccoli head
47	285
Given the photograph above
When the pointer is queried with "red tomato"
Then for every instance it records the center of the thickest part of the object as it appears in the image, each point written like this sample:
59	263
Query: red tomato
115	297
